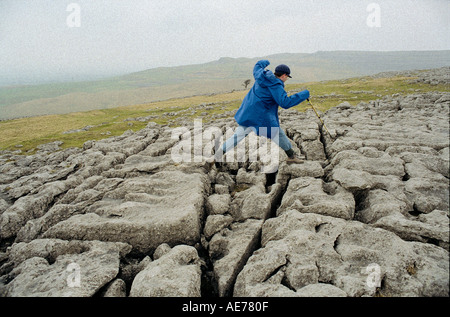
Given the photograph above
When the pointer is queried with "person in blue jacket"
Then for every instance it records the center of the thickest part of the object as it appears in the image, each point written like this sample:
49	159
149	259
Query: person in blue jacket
259	109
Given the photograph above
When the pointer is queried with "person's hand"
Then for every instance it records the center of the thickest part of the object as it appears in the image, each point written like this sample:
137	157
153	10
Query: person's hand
264	63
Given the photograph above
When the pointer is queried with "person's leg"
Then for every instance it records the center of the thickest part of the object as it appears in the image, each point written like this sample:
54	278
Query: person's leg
283	140
280	138
240	133
285	144
232	141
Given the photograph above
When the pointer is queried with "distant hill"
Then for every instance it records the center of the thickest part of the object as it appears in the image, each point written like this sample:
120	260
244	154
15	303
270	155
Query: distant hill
225	74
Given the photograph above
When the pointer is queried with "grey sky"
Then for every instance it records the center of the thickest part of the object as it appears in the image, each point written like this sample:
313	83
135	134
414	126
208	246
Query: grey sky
131	35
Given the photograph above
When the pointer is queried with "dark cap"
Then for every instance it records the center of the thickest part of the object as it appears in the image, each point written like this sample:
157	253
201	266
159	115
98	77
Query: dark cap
283	69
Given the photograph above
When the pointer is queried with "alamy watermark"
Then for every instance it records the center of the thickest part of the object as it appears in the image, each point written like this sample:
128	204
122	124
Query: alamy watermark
374	18
199	145
73	20
74	276
373	280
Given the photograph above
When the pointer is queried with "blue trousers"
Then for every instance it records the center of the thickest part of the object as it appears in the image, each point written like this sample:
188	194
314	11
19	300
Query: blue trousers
241	132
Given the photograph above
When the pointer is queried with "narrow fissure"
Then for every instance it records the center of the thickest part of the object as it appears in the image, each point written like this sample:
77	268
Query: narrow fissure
323	141
274	272
415	212
382	291
336	245
5	243
209	287
360	197
209	283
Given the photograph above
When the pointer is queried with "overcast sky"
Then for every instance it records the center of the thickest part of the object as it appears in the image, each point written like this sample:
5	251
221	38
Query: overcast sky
50	39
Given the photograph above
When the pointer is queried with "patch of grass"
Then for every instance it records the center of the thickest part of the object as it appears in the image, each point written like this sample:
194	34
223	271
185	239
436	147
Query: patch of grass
33	131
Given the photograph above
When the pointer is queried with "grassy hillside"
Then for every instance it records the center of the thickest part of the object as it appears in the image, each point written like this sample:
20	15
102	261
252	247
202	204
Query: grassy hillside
220	76
27	133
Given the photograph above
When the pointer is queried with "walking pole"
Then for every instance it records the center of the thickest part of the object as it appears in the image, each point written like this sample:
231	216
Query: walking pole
323	124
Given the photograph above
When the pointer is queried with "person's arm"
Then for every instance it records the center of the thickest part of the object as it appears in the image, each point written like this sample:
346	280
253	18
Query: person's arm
282	99
259	67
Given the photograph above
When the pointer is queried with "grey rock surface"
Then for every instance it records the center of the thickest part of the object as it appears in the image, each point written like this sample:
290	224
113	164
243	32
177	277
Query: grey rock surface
55	268
175	274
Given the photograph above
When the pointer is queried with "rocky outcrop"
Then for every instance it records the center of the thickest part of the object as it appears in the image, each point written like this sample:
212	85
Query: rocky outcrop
303	249
166	207
57	268
367	214
176	273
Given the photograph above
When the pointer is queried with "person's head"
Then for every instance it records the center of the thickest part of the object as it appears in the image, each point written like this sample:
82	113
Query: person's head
282	72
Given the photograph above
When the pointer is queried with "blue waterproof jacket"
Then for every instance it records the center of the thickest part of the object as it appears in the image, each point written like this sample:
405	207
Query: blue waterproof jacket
260	107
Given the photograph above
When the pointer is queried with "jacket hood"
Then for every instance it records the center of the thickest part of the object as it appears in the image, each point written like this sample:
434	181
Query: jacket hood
268	79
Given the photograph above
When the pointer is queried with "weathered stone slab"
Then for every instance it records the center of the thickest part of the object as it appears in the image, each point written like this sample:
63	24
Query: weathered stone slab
175	274
312	195
48	268
144	212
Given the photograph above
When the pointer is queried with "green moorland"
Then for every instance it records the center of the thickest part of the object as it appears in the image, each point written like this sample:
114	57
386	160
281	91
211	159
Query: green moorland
27	133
